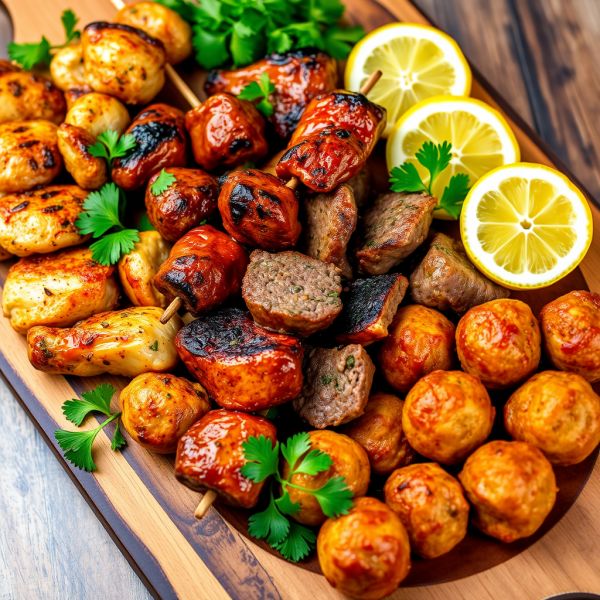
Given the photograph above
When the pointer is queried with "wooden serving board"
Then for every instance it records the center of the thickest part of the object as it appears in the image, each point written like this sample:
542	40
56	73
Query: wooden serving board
150	516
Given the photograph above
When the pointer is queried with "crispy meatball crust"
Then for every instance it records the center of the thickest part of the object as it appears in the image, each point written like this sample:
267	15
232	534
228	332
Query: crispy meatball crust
571	330
447	414
499	342
512	488
366	553
557	412
431	505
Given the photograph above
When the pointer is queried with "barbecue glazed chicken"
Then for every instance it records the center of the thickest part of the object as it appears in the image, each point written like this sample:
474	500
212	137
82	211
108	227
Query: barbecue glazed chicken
58	289
126	342
210	455
298	76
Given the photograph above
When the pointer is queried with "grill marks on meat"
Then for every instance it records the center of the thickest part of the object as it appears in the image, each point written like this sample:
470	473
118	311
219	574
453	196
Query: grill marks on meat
391	229
446	279
337	383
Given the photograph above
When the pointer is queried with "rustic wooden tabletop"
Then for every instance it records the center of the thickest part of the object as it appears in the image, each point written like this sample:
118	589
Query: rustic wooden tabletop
540	54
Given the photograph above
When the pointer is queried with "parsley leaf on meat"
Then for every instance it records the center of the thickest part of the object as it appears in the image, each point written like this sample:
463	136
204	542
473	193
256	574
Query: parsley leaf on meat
163	182
255	90
109	249
111	146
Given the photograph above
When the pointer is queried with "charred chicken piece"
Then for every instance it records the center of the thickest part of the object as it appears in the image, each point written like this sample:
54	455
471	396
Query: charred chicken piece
29	155
243	366
259	211
298	76
66	68
160	143
447	279
72	95
391	229
41	221
58	289
227	132
97	112
204	269
125	342
184	204
369	308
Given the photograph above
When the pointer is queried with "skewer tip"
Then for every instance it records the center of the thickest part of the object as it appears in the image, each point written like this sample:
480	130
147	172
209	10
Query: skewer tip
171	310
207	500
369	84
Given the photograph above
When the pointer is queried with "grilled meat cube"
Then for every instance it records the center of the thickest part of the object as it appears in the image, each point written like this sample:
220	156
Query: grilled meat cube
72	95
97	113
391	229
58	289
191	199
204	269
41	221
292	293
126	342
298	76
362	185
29	155
446	278
337	383
66	68
259	211
227	132
242	366
369	308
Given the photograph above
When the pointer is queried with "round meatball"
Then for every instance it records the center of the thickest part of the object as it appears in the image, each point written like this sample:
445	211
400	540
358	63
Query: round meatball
557	412
159	408
161	23
349	461
66	68
366	553
512	488
96	113
379	432
446	415
431	505
499	342
421	340
571	329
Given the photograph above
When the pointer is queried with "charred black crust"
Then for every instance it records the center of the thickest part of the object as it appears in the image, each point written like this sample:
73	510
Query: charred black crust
149	136
177	278
355	99
239	201
284	58
99	26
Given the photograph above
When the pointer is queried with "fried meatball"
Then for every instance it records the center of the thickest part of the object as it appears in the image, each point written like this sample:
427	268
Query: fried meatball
66	68
96	113
349	461
447	414
366	553
157	409
379	432
512	488
431	505
499	342
421	340
571	330
557	412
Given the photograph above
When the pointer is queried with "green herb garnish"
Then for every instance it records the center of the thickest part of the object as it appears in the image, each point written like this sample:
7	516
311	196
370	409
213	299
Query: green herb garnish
163	182
111	146
255	90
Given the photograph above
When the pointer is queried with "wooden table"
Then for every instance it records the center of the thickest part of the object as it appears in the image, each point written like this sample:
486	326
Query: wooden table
541	54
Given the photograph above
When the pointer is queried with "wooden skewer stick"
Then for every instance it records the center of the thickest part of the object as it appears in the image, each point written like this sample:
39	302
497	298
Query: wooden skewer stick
171	310
209	497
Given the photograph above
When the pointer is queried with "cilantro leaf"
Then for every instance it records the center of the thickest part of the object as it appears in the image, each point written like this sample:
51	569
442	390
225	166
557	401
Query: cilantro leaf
314	462
101	211
270	524
69	22
435	158
295	447
255	90
97	399
30	54
109	249
407	179
211	47
338	40
454	195
299	542
262	457
144	224
78	447
185	9
286	506
163	182
334	497
118	441
111	146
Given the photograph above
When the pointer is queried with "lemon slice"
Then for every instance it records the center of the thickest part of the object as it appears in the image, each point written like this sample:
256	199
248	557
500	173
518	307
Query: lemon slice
417	62
525	226
480	136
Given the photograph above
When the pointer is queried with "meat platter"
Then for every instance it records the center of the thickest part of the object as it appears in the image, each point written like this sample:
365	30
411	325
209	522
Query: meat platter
148	512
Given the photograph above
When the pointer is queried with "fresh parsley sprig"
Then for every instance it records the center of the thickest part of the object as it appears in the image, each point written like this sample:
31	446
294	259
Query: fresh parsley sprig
30	54
163	182
293	540
259	90
435	158
111	146
77	445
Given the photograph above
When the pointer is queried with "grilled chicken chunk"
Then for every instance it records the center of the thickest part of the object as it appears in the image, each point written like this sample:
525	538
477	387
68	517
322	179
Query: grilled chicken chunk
447	279
243	366
41	221
298	76
29	155
72	95
97	113
391	229
125	342
66	68
58	289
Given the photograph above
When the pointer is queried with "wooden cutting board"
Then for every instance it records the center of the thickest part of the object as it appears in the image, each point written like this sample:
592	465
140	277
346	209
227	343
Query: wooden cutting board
150	516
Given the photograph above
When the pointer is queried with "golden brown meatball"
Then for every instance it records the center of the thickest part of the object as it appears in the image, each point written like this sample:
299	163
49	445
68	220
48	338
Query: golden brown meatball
571	329
349	461
431	505
66	68
447	414
512	488
366	553
161	23
499	342
557	412
97	113
158	409
379	432
72	95
421	340
123	61
29	155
